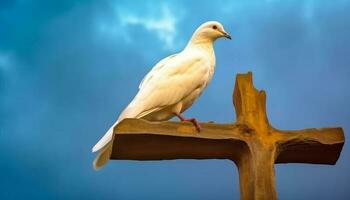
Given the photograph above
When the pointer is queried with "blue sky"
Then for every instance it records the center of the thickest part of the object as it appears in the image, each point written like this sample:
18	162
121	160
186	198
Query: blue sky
67	68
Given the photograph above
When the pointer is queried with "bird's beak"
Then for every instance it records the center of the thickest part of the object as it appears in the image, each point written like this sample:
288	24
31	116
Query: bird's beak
226	35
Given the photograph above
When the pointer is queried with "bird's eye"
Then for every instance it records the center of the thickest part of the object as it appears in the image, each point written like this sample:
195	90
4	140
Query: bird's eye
215	27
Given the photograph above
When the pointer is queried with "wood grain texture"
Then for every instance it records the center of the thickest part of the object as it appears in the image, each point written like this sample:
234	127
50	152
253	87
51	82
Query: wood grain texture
250	142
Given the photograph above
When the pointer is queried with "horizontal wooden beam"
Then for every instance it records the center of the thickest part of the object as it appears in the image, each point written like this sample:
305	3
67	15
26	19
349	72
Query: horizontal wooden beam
316	146
179	129
136	139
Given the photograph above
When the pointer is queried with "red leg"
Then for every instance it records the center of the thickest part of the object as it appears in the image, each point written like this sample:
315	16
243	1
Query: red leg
192	120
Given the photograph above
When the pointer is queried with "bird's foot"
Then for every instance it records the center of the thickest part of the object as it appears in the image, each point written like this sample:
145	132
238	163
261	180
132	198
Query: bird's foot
192	120
195	123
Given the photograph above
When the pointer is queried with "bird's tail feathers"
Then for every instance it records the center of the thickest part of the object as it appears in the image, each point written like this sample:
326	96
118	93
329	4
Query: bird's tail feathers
104	145
104	140
103	156
129	112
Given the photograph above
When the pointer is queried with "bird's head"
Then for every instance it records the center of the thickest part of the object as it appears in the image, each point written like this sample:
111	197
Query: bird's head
211	31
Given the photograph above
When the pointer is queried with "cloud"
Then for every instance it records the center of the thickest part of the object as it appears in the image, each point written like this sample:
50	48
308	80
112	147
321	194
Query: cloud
164	25
159	21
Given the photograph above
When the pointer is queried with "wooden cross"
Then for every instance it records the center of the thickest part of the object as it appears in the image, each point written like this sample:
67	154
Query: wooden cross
250	142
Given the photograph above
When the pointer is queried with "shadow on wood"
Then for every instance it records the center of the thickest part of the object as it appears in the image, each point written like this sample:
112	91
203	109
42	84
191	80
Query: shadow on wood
251	142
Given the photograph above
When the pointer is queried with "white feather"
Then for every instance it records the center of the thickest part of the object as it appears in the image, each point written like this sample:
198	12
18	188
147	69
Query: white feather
154	70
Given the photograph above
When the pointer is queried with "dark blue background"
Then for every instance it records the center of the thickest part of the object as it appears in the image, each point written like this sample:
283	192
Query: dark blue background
67	69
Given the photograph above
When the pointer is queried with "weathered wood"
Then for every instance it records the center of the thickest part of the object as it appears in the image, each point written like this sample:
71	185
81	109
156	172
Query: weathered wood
251	142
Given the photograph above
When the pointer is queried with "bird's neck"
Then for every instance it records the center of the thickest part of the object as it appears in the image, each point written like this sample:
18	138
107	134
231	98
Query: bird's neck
204	46
201	42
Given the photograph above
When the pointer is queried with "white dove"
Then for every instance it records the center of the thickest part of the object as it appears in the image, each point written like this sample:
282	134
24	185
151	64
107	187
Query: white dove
171	86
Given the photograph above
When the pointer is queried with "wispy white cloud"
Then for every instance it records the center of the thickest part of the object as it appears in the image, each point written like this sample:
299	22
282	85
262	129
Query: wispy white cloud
159	20
163	24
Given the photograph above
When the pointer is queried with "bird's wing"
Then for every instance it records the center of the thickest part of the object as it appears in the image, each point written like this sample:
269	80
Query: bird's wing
167	85
154	70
